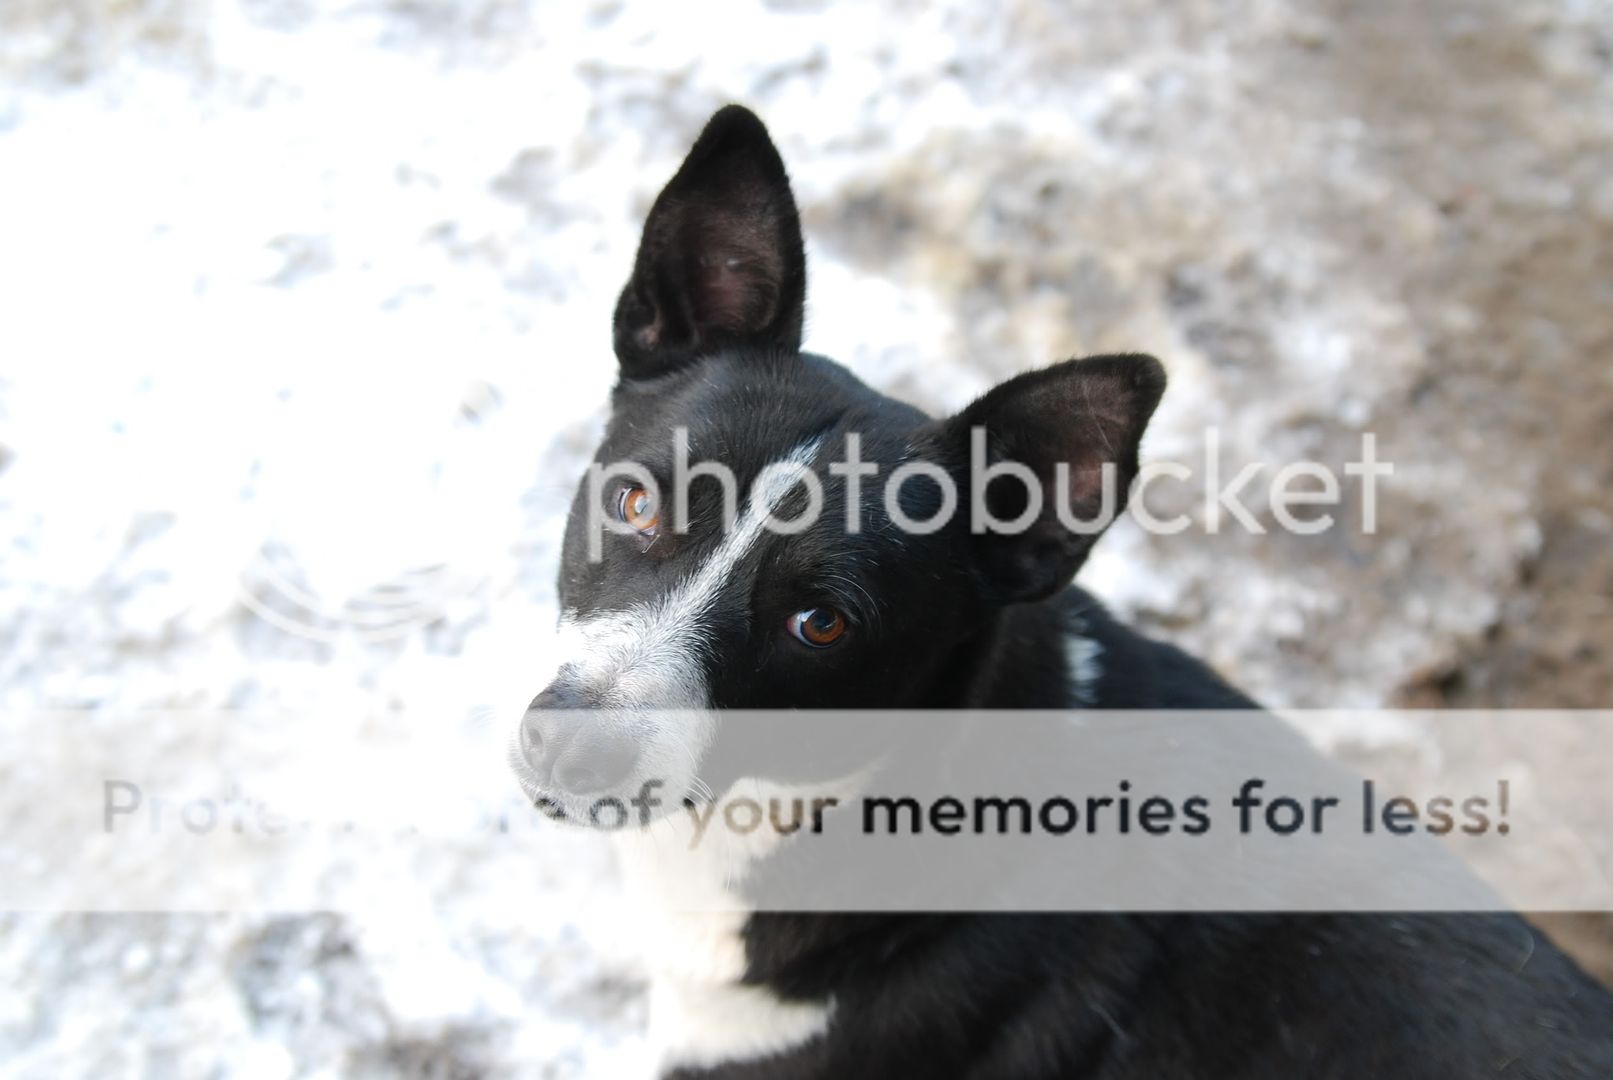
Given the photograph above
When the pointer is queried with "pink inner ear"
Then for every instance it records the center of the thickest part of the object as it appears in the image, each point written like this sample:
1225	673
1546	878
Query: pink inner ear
724	292
1084	494
737	266
736	291
650	336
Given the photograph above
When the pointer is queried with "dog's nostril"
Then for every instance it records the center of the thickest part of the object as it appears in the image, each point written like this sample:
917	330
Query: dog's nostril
594	766
531	737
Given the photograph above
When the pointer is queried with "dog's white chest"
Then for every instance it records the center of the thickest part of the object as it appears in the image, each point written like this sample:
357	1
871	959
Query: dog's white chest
700	1013
705	1024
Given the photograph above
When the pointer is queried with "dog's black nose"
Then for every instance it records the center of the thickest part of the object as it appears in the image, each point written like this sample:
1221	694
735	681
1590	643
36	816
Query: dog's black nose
536	719
562	695
572	747
591	765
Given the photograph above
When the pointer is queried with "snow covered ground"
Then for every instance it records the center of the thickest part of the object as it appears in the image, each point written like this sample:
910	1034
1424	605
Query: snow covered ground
304	336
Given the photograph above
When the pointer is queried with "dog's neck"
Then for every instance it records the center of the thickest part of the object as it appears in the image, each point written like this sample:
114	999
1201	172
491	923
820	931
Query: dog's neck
1017	660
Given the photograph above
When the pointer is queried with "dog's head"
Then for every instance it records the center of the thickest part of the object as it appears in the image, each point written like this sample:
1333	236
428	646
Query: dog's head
760	530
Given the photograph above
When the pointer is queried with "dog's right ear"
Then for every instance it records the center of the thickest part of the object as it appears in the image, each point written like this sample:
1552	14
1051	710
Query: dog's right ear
720	263
1071	431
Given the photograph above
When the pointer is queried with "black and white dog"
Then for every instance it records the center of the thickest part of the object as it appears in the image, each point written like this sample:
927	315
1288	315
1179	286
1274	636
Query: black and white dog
704	609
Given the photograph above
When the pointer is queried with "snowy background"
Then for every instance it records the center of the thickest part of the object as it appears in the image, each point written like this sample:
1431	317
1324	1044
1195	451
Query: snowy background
304	336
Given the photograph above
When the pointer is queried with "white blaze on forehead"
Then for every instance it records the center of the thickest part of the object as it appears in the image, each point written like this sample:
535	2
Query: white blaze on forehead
652	654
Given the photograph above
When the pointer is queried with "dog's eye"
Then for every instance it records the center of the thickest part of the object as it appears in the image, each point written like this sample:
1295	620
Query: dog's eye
818	627
634	506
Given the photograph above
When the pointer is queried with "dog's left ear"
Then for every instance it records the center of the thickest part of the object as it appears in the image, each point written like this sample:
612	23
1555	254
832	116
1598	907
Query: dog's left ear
720	263
1067	431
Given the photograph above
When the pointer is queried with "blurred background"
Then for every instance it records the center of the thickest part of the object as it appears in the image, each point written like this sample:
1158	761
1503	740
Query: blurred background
304	315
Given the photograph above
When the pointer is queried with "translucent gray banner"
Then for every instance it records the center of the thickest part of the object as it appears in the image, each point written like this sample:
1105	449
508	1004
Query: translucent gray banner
921	811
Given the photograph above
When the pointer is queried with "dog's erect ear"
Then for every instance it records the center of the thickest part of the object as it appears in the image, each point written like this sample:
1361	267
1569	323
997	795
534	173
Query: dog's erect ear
1065	437
720	263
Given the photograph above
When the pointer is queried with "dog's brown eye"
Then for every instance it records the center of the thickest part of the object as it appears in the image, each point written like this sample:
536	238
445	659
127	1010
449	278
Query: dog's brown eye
818	627
635	506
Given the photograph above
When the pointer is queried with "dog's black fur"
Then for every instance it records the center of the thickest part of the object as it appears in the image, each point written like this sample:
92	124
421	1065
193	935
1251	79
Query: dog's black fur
708	333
